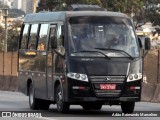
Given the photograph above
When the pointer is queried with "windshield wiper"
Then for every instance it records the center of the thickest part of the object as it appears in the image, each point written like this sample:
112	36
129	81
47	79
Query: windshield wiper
132	58
95	51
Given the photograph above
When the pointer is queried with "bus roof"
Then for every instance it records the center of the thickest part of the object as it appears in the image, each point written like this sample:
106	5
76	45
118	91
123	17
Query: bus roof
95	13
60	16
44	17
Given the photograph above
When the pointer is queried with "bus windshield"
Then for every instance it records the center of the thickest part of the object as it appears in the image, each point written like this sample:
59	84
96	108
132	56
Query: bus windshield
114	36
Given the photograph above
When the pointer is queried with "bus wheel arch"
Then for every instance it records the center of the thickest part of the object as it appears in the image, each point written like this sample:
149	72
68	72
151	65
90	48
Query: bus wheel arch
56	84
29	81
61	105
33	102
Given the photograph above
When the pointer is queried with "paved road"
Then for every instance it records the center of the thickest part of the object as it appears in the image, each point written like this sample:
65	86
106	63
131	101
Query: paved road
17	102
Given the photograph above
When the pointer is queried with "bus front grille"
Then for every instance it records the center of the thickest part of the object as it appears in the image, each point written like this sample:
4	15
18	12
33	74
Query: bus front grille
107	80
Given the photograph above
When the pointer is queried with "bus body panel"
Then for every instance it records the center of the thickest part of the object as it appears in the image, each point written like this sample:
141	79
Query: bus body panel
48	68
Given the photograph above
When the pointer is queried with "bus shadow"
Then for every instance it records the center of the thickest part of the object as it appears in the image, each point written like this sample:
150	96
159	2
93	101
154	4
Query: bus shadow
79	112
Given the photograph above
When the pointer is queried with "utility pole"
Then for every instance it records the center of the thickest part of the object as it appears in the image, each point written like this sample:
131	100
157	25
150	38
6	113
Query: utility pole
34	6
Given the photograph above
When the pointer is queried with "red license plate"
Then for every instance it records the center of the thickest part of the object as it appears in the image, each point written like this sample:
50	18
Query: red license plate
107	86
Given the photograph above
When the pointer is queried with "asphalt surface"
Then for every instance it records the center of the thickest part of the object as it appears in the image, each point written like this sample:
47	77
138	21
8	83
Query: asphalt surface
16	105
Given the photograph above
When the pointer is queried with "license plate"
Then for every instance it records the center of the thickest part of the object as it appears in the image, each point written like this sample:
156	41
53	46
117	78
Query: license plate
107	86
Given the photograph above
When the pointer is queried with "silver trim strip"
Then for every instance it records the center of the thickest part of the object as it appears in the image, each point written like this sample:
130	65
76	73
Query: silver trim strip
128	69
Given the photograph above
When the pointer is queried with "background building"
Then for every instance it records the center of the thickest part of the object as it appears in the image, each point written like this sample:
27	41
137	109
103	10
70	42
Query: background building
27	6
17	4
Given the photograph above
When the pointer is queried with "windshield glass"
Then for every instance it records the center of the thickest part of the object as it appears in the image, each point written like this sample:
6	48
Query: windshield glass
110	35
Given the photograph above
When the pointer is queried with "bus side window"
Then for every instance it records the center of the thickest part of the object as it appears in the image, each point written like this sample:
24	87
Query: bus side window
24	37
42	37
33	37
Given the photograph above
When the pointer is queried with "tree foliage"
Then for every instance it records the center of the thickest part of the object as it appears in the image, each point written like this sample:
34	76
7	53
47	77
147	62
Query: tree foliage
125	6
12	39
2	38
58	4
152	11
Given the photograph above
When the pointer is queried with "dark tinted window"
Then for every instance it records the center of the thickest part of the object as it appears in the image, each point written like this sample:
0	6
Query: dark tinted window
33	37
42	37
24	36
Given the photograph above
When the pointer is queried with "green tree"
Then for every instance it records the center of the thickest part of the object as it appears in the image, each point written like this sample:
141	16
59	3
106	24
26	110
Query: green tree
12	40
58	4
125	6
2	38
13	34
152	11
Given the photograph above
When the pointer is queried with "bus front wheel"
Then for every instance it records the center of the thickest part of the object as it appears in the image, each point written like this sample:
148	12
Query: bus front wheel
61	105
33	102
127	107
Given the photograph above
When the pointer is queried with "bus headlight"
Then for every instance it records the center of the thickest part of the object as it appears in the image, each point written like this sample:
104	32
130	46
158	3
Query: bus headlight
78	76
134	77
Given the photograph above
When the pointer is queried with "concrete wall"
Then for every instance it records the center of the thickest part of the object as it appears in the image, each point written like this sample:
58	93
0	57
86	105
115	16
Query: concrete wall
151	66
8	71
151	87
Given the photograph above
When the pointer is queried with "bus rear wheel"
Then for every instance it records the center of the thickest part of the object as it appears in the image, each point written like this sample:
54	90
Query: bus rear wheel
33	102
61	105
127	107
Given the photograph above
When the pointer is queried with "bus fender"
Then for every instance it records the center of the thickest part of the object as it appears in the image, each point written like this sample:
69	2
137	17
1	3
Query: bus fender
29	80
57	81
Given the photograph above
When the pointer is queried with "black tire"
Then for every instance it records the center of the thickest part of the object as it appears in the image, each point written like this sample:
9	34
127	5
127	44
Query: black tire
33	102
127	107
61	105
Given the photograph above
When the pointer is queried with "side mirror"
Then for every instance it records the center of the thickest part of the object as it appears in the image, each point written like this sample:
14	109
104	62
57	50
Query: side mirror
147	43
53	42
144	43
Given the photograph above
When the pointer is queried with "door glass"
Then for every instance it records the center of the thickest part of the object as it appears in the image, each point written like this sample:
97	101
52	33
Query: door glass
33	37
42	37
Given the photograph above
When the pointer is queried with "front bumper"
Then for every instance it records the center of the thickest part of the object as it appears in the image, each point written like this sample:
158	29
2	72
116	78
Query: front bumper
89	94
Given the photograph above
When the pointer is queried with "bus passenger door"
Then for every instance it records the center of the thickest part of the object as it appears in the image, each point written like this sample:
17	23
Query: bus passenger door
50	65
